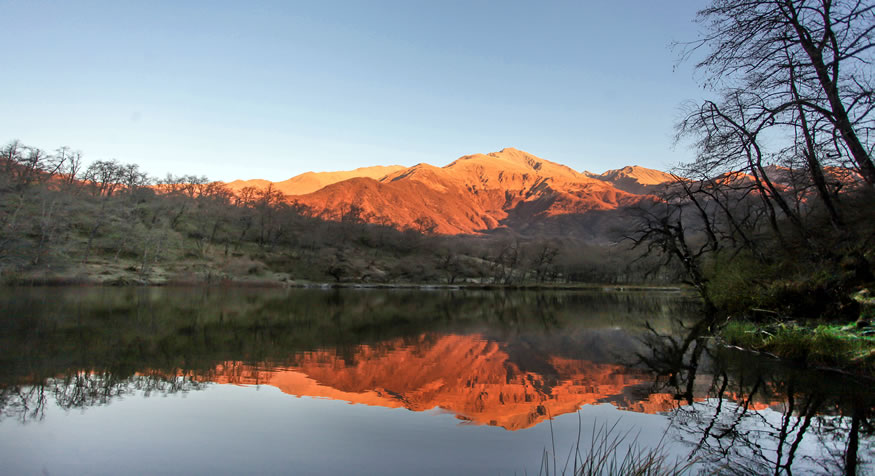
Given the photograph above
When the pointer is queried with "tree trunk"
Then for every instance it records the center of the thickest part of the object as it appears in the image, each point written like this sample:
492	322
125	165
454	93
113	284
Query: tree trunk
829	85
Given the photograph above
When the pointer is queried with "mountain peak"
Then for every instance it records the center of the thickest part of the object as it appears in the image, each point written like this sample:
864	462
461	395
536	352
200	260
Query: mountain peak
510	160
642	175
510	153
634	178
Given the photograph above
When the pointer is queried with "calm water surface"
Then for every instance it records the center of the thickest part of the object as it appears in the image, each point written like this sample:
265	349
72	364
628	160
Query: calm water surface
231	381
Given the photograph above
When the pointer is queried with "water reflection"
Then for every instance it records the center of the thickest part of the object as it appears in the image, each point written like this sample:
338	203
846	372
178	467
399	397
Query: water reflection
27	402
472	377
509	360
741	413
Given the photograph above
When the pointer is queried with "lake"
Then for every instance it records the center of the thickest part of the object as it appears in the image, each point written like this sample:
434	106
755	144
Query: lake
328	381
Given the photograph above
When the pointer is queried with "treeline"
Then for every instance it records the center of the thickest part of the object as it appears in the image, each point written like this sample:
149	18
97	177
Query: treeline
62	220
776	212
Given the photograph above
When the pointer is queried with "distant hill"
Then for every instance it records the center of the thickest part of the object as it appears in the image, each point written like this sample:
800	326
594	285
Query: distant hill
309	182
510	189
634	179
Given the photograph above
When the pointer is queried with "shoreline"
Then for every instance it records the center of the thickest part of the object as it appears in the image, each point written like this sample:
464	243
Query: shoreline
279	284
836	347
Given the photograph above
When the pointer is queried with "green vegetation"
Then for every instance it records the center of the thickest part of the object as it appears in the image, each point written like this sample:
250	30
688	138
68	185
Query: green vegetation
790	284
850	347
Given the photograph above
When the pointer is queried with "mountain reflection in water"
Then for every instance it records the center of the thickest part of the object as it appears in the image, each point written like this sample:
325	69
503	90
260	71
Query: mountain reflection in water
474	378
509	360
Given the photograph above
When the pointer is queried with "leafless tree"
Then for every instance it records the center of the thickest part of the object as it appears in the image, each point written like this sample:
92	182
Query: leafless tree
425	225
802	66
669	229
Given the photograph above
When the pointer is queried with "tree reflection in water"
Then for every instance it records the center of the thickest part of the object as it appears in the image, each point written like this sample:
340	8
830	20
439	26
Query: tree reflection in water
79	390
741	413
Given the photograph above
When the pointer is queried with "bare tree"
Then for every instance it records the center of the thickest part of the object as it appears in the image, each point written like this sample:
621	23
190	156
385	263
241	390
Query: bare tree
425	225
541	260
797	59
668	229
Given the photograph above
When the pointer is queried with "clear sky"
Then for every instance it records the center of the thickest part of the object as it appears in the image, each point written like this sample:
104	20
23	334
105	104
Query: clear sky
273	89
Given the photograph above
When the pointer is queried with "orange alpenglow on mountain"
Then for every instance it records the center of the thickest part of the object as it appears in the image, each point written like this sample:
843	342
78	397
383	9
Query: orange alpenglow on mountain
474	378
635	179
473	194
309	182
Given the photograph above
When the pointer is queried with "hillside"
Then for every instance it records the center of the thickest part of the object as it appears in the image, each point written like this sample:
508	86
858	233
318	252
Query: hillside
309	182
634	179
473	194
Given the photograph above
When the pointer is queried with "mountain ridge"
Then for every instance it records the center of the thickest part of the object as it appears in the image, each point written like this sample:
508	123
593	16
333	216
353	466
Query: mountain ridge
473	194
634	179
309	182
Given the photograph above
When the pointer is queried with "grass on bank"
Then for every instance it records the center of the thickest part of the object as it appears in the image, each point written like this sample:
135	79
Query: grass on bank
849	347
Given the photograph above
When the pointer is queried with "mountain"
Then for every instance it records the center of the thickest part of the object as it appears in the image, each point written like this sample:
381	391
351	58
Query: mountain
474	194
634	179
509	189
309	182
787	177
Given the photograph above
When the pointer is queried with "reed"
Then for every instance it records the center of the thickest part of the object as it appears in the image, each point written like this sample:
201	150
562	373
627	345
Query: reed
612	453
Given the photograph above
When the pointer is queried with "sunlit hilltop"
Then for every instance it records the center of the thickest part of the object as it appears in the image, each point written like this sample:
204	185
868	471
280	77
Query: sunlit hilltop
473	194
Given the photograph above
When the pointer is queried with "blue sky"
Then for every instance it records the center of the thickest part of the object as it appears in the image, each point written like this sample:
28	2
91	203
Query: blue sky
273	89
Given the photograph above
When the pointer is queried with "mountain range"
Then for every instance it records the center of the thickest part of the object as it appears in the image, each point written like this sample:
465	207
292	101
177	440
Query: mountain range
480	193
